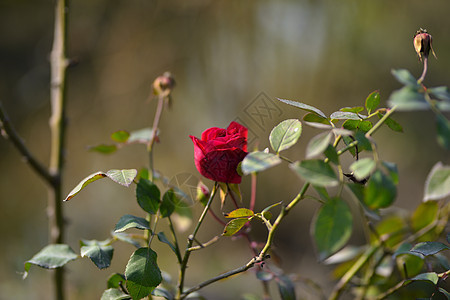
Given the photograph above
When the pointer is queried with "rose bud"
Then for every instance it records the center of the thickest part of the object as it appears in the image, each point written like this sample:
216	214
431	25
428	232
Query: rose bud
164	84
219	151
423	44
203	193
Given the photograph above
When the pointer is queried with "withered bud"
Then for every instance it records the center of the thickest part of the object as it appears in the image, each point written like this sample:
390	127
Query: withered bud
423	44
163	85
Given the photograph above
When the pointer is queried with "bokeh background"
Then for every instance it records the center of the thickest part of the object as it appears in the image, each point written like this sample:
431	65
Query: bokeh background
226	56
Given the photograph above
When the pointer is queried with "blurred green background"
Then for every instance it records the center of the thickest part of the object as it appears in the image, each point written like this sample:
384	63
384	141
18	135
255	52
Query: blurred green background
227	57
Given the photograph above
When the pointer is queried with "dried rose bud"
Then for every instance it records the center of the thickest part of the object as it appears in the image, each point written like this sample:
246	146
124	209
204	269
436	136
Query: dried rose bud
423	44
164	84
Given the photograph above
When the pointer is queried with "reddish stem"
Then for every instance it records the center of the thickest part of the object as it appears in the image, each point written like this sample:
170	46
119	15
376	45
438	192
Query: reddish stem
253	192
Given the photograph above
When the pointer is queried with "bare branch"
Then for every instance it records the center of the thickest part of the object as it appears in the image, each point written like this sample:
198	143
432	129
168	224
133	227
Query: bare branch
10	133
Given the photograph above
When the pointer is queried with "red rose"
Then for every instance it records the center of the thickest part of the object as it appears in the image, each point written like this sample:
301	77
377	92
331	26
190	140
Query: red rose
219	152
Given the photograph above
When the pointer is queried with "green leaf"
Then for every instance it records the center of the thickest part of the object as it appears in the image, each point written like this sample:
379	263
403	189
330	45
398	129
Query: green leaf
405	77
356	109
443	131
259	161
443	261
163	239
392	227
316	172
412	263
365	126
342	131
123	177
143	173
51	257
332	227
103	148
269	208
164	293
168	203
362	168
372	101
267	215
391	123
332	155
142	273
363	141
114	294
304	107
323	193
440	92
392	170
315	118
100	253
130	221
234	226
351	124
431	276
380	191
127	238
358	191
429	248
148	196
424	215
89	179
348	140
240	213
402	249
320	126
285	135
286	288
141	136
318	144
341	115
407	99
120	136
115	280
437	185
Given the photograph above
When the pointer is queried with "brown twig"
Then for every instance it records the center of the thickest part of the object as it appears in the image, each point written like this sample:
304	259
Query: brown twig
58	64
17	141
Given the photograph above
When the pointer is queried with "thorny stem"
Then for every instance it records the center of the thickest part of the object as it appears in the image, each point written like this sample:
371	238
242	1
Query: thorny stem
158	113
191	239
58	95
284	212
159	109
204	245
153	230
242	269
257	259
175	240
53	176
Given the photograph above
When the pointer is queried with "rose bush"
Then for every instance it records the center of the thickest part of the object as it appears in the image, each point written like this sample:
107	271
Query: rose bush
219	151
